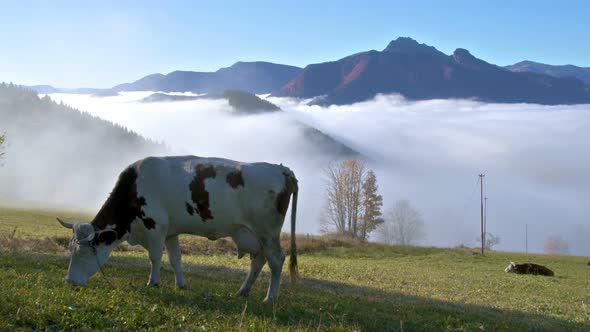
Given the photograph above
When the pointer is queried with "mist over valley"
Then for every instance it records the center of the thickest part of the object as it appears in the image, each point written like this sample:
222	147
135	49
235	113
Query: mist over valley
428	152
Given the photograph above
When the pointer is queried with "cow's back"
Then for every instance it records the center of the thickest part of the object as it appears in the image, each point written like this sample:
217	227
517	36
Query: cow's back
213	196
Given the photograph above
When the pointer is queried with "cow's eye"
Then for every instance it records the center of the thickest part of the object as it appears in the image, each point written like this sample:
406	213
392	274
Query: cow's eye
80	248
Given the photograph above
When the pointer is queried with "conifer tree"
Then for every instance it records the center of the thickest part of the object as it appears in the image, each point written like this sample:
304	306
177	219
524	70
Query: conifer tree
371	205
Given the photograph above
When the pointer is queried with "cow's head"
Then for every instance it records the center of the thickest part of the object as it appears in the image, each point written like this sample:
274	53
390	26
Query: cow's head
511	267
90	250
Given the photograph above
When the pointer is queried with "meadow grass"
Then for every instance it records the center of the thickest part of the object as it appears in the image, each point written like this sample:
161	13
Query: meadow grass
344	286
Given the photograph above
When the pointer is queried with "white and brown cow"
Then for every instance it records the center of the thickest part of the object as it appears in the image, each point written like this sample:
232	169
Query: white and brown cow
156	199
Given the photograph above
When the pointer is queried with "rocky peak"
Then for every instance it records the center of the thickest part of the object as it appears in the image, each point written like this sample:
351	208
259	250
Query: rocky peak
409	45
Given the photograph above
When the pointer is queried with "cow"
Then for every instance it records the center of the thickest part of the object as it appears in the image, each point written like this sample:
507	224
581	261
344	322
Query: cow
157	198
528	268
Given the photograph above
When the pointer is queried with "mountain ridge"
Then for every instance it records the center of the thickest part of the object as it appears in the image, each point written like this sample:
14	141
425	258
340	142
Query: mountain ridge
253	77
419	71
406	67
581	73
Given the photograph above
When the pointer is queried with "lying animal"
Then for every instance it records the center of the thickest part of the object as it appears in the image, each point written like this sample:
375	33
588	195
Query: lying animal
529	268
156	199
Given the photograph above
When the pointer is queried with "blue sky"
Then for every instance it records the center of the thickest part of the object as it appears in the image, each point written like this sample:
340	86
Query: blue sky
103	43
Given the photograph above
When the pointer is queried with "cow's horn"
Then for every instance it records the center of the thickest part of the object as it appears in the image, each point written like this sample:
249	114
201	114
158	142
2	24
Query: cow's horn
65	224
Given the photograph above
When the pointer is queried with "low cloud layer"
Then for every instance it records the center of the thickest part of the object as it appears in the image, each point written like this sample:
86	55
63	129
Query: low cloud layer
535	157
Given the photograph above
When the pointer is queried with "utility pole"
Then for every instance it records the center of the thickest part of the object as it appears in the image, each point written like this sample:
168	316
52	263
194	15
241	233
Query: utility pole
481	201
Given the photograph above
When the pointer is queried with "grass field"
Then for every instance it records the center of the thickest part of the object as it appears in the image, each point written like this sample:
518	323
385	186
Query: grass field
344	286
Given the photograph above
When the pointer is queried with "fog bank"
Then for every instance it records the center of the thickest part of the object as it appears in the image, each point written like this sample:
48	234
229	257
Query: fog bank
428	152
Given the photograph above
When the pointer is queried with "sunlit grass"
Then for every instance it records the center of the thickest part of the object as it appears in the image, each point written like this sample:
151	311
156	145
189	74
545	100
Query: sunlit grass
362	287
38	222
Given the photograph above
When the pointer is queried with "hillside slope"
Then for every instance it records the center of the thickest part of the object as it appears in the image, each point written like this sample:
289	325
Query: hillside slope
247	104
58	154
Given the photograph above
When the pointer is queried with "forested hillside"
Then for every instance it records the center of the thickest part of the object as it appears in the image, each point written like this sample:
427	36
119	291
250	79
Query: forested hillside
58	154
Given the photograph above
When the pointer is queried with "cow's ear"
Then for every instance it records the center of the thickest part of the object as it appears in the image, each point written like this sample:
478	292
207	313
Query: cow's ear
107	237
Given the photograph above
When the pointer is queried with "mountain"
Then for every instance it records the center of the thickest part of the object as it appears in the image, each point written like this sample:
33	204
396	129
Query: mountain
147	83
59	154
581	73
105	93
244	102
253	77
45	89
418	71
159	97
327	143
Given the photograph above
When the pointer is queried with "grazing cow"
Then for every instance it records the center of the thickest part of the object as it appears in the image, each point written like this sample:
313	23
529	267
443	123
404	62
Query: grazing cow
156	199
528	268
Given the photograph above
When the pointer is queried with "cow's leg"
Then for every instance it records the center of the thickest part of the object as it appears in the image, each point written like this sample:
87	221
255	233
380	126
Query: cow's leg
275	257
173	249
156	238
247	242
256	263
156	250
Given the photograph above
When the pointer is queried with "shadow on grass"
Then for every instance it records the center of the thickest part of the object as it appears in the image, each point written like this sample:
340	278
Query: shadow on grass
310	304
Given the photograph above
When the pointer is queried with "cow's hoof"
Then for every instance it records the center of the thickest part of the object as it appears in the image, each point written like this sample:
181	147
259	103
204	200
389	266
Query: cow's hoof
243	292
149	284
181	286
268	300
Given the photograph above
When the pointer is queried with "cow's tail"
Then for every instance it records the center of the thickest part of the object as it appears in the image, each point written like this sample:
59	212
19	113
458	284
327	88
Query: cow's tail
293	258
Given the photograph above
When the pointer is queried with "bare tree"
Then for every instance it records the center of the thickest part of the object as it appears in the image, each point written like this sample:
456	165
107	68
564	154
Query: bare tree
353	204
335	214
354	172
403	224
556	245
491	240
